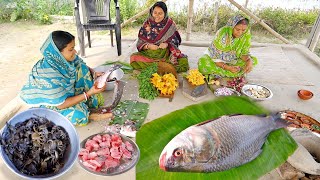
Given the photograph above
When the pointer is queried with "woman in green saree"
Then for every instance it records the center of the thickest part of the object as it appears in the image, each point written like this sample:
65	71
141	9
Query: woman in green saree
159	41
228	55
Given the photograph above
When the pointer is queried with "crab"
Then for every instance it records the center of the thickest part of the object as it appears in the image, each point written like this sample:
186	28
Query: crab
35	146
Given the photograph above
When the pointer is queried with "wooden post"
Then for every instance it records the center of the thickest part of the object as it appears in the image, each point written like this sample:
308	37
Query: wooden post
314	35
216	14
260	21
246	4
137	15
190	16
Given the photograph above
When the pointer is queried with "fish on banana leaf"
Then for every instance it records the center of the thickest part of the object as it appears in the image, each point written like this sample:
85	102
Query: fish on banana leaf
220	144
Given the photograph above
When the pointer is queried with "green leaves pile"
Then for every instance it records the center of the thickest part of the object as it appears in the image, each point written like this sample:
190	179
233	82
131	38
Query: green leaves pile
130	110
146	89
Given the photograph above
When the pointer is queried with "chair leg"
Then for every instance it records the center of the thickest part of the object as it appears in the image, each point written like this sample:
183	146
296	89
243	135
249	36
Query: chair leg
118	39
80	33
89	41
111	36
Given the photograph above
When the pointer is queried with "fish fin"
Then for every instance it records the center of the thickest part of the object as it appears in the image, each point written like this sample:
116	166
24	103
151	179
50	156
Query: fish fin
205	122
234	115
262	115
279	121
208	121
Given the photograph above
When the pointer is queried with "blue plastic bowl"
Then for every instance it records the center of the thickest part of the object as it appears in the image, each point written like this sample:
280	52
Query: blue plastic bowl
72	151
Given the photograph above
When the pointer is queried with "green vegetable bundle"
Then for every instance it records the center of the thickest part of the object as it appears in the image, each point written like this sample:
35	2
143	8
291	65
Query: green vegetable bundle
146	89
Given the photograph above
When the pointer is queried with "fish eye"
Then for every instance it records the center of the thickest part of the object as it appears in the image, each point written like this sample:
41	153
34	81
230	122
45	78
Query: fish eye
177	153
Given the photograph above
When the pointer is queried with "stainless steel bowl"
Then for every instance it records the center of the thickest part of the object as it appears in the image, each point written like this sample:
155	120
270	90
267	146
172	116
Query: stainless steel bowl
247	90
124	166
117	74
58	119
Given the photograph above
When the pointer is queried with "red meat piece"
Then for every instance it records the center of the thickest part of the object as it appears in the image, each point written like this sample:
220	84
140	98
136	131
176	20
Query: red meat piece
105	144
92	143
115	153
106	137
129	146
96	163
103	152
126	154
111	162
83	152
89	165
92	155
97	138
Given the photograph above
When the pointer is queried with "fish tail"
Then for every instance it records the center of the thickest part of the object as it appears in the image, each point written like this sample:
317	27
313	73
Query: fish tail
279	121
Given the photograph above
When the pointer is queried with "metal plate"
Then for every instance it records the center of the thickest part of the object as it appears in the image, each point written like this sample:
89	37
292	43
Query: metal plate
247	90
124	165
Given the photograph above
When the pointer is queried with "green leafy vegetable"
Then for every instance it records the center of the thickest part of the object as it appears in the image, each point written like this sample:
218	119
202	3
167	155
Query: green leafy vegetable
146	89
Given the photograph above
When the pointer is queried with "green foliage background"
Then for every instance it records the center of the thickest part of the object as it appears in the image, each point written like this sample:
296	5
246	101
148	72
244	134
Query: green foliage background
289	23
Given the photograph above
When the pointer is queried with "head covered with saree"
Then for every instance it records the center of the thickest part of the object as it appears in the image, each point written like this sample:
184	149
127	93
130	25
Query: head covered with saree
230	44
225	42
158	32
52	78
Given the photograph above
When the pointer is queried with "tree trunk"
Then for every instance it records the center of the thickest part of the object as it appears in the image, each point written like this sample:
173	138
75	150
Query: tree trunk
314	35
246	4
190	16
216	13
260	21
137	16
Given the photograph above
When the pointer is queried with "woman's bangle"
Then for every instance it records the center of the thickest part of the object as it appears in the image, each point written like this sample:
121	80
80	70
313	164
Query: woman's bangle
85	96
147	46
223	65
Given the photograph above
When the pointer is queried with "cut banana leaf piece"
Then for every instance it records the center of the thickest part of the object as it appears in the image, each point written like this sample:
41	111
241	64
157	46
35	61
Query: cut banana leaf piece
155	135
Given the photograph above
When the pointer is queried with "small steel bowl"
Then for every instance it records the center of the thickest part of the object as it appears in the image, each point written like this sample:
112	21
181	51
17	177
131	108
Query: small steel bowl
305	94
246	91
71	153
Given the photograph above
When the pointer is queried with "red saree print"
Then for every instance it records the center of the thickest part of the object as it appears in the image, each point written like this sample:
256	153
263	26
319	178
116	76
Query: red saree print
157	33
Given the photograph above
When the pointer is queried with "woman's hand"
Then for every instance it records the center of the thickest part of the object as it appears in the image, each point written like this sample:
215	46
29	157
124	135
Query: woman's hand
233	69
248	66
163	45
94	90
71	101
98	74
153	47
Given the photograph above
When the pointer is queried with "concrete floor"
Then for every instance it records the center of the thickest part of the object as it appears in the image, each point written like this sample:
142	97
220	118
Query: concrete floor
283	68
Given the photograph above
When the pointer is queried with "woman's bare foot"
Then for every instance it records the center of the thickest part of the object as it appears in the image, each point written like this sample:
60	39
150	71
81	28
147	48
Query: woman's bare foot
100	116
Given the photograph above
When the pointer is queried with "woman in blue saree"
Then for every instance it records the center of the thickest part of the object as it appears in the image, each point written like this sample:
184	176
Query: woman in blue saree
61	80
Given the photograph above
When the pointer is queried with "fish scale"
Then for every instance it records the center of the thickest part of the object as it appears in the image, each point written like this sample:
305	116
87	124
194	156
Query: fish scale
237	152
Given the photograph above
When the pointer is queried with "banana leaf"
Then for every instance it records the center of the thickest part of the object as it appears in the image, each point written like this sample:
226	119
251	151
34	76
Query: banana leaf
126	67
154	136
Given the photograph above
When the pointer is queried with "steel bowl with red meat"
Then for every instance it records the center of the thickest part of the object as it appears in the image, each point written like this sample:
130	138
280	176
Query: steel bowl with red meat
108	154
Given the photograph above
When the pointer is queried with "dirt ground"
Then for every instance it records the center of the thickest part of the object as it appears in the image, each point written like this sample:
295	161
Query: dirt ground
19	50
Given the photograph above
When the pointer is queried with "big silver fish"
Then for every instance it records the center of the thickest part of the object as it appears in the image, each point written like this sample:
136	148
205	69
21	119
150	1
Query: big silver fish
218	145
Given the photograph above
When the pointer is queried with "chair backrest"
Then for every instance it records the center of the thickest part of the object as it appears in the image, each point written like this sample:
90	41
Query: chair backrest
97	10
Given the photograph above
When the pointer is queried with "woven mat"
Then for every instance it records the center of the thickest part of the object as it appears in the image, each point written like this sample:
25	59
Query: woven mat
275	67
